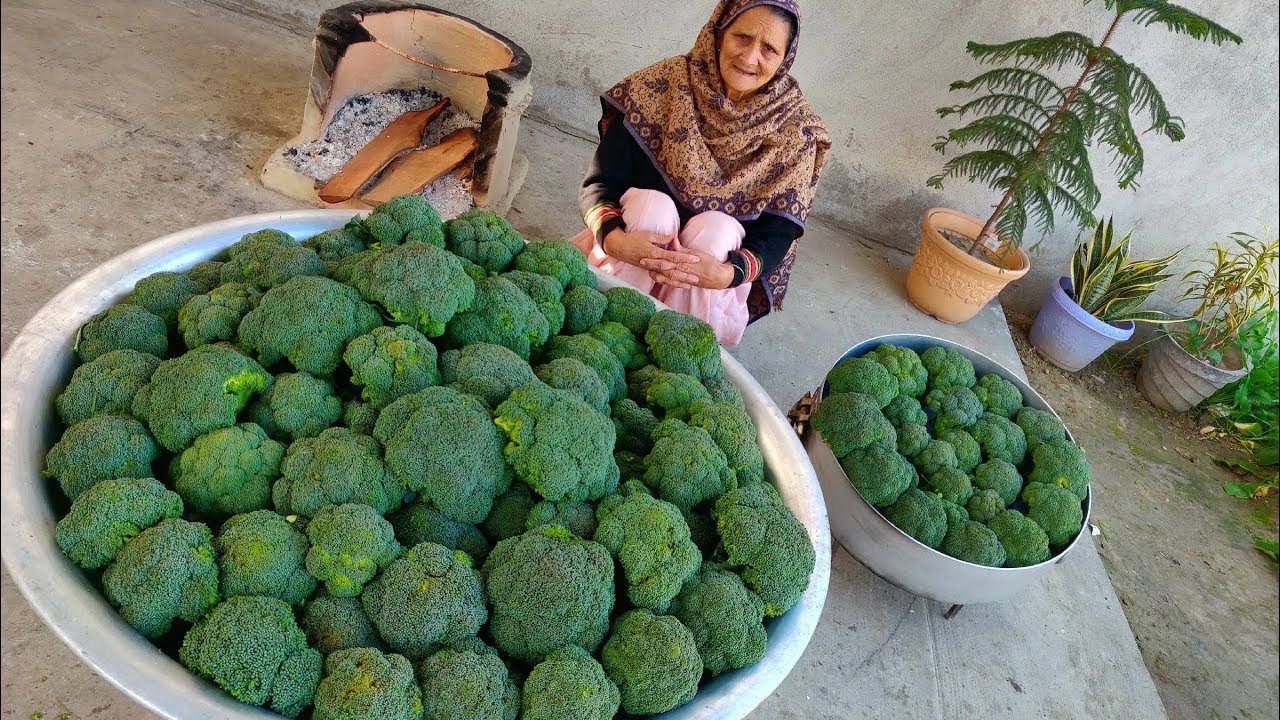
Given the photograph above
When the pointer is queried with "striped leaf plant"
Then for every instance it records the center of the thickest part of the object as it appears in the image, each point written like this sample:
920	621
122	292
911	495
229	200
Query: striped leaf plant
1112	288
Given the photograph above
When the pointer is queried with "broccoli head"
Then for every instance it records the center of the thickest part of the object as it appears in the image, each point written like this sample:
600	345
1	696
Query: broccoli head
1040	427
228	471
630	307
686	467
723	390
919	514
359	417
104	447
545	292
405	219
485	238
338	243
952	484
105	386
1055	509
765	544
487	371
215	316
984	505
430	595
726	619
675	394
1000	438
654	661
947	368
510	513
467	683
650	540
569	685
557	444
297	405
684	344
848	422
503	315
548	589
904	365
1061	462
968	451
630	465
1001	476
163	294
122	327
912	439
998	395
270	258
863	375
879	475
578	518
262	553
888	439
935	456
389	362
956	407
594	354
638	382
164	573
350	543
624	345
333	624
307	320
559	259
633	425
206	274
732	430
419	522
416	284
583	309
571	375
110	513
956	514
364	682
335	467
974	543
253	648
905	410
461	470
1025	543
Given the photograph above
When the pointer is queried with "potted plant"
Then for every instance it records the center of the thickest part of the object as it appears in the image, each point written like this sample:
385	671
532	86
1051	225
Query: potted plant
1029	139
1100	303
1233	291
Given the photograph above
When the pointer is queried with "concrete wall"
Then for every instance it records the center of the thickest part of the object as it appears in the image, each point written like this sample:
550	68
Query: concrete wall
876	71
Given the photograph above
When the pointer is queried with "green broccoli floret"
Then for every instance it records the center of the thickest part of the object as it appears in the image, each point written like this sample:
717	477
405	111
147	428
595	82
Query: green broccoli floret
633	426
253	648
956	514
359	417
297	405
338	243
946	368
571	375
1040	427
337	466
466	683
268	259
215	316
765	544
984	505
654	661
333	624
956	407
262	553
912	439
624	345
206	274
418	522
363	683
350	543
578	518
485	238
1061	462
1000	438
904	365
731	428
888	439
595	355
630	307
557	444
919	514
1025	543
630	465
307	320
569	685
547	589
583	309
545	292
427	596
905	410
489	372
104	447
650	540
725	618
228	471
935	456
684	344
968	451
417	284
503	315
863	375
675	394
702	530
110	513
686	467
952	484
559	259
122	327
879	475
998	395
164	573
1001	476
163	294
405	219
390	362
848	422
974	543
510	513
105	386
638	382
1055	509
723	390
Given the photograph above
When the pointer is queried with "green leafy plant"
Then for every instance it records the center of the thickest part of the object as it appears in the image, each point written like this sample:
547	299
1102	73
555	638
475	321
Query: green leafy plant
1107	285
1033	134
1248	409
1233	292
1270	548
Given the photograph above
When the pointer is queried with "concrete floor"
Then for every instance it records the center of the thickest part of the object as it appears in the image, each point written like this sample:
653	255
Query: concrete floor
124	121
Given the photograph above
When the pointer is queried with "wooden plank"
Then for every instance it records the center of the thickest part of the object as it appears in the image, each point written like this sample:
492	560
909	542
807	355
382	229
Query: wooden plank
404	133
411	173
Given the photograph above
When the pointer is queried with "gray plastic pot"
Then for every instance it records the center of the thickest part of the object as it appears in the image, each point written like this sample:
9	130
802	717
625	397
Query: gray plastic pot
1070	337
1174	379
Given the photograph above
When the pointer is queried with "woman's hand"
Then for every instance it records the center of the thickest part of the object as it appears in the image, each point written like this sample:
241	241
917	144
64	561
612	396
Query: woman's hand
708	273
645	249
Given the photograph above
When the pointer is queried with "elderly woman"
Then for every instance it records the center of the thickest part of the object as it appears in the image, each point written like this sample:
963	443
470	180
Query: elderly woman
707	166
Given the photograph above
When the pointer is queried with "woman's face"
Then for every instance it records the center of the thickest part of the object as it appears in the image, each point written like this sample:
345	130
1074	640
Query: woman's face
751	49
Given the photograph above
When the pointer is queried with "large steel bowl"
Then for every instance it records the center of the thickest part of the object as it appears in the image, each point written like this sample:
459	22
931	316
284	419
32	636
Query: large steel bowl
896	556
38	365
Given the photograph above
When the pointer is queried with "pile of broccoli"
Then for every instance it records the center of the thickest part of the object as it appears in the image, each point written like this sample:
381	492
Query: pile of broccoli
412	469
953	460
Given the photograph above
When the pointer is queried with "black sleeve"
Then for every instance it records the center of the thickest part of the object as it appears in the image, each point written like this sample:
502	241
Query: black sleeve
768	238
608	174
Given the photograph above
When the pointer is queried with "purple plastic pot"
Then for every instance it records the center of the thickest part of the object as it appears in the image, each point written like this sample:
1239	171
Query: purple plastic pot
1069	337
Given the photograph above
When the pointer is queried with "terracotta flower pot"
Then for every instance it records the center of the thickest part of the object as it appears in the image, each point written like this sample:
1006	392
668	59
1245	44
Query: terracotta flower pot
948	283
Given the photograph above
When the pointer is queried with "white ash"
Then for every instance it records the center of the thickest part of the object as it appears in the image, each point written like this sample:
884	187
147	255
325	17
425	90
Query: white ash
449	195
